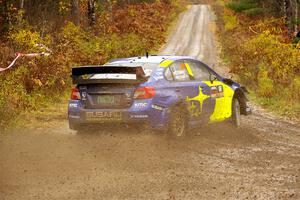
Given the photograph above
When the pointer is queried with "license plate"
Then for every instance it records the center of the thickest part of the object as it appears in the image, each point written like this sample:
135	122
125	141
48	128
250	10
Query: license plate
103	116
106	99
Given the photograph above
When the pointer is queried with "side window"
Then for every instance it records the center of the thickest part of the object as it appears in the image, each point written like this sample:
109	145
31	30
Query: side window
200	72
168	74
179	71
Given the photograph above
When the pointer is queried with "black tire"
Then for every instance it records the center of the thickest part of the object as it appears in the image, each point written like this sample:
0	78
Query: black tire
178	122
236	113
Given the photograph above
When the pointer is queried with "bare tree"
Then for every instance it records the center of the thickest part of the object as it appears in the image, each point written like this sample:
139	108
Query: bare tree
5	16
290	11
75	12
91	12
21	4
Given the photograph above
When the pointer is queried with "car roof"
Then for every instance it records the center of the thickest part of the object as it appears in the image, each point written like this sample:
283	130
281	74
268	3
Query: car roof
148	59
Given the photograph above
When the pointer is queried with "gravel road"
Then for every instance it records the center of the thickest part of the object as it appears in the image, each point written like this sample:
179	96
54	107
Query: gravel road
260	160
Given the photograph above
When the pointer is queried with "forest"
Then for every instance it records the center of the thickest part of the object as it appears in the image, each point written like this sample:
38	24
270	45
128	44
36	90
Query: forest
77	33
257	36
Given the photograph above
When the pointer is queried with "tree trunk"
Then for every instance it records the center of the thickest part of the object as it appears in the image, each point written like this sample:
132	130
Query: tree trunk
75	12
21	4
91	12
6	18
288	14
110	8
293	14
296	16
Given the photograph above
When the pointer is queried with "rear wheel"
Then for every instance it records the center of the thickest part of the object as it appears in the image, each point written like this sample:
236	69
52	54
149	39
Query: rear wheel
178	122
236	113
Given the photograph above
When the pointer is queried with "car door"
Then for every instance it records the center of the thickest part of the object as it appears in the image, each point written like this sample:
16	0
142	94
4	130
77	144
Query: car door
179	79
195	93
202	104
220	101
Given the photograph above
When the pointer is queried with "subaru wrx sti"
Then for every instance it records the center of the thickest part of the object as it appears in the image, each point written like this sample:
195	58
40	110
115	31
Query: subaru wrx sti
170	93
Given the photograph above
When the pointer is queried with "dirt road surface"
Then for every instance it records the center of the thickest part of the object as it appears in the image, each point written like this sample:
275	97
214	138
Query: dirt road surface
260	160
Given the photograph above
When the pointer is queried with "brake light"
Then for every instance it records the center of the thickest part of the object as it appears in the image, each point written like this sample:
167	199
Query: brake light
75	95
144	93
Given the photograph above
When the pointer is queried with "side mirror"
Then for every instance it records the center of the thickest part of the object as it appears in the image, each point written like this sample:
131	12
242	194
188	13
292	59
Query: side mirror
228	81
212	78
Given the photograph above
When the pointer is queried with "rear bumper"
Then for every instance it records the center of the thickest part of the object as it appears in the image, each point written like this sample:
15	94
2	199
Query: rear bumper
141	112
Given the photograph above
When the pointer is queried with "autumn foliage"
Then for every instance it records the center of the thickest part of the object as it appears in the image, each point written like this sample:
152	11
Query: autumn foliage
260	51
129	30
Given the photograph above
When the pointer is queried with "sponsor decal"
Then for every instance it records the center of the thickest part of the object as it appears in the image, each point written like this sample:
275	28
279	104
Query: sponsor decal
217	91
140	105
139	116
73	105
103	116
158	74
74	116
114	76
158	77
156	107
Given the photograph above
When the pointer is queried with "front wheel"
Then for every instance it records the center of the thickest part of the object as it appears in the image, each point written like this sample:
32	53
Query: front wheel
236	113
178	123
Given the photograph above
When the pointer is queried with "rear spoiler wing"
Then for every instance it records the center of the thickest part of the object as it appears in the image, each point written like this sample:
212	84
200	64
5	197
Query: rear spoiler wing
84	74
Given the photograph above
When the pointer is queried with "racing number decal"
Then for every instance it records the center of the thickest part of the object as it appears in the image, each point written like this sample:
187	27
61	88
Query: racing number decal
216	91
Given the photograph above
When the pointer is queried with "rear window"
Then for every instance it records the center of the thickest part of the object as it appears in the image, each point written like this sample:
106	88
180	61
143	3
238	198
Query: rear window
147	67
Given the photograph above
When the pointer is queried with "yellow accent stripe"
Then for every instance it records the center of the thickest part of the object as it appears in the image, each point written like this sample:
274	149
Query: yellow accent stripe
166	63
223	105
189	69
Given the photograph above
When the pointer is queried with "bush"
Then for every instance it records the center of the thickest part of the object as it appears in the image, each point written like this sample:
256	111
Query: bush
260	52
271	67
134	30
265	84
295	90
254	11
241	5
230	21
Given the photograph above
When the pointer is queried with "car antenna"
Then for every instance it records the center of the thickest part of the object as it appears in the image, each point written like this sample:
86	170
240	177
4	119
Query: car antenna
147	54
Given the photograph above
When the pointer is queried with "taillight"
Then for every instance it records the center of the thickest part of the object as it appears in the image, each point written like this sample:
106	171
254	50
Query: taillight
144	93
75	95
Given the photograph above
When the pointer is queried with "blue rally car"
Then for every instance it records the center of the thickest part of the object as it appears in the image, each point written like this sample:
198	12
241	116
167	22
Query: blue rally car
171	93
